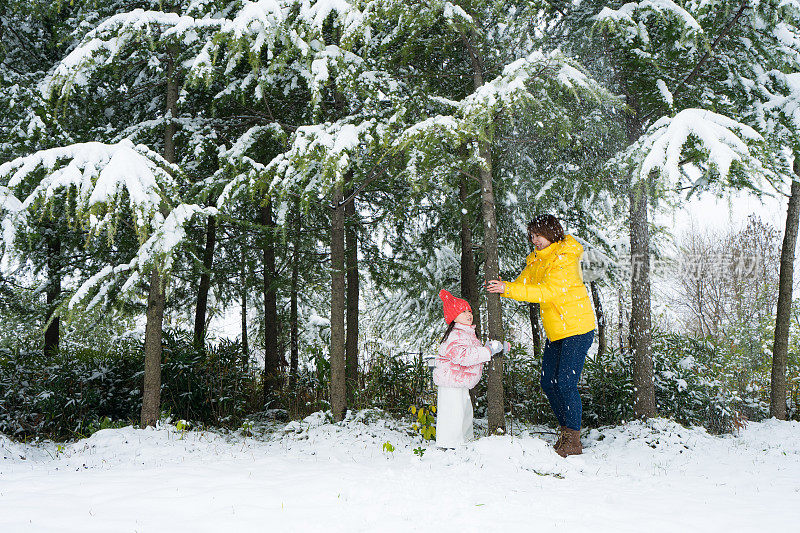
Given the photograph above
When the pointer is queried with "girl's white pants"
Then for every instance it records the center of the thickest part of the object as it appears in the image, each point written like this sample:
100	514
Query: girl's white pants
453	417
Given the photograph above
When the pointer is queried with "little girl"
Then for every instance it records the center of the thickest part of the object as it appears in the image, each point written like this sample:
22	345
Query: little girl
458	369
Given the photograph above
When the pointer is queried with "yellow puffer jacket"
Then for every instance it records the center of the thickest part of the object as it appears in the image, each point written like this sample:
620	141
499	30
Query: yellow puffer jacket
553	279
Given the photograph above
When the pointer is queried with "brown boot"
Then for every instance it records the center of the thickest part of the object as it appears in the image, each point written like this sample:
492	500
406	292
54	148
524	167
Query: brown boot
560	441
572	443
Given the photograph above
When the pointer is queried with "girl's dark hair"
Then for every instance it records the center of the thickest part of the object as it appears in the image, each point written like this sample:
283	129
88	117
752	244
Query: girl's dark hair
547	226
450	327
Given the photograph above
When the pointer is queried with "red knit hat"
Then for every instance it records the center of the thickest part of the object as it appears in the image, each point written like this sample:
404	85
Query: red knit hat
453	306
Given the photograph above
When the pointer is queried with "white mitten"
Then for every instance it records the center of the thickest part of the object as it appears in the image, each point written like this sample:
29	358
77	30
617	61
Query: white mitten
494	346
506	347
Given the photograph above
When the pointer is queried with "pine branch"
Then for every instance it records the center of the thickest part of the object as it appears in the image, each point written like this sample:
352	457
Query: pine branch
376	173
696	71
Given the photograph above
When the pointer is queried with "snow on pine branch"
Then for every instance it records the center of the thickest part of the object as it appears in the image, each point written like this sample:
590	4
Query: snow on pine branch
779	114
630	19
100	177
10	209
98	174
539	77
254	26
158	251
721	141
550	70
456	15
114	36
319	155
294	28
246	170
314	13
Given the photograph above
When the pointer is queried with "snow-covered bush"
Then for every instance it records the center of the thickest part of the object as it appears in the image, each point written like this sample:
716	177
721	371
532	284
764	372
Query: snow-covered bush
697	382
690	383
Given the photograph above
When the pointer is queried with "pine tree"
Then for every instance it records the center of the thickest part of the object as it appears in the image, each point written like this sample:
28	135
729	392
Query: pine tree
765	86
652	54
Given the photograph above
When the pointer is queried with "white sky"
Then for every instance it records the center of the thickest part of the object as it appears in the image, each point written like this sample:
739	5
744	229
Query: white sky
731	212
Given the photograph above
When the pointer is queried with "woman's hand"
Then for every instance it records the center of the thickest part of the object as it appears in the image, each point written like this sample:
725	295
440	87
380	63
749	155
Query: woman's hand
496	286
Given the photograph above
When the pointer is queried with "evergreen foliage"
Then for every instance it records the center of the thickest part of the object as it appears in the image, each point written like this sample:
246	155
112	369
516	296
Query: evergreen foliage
213	145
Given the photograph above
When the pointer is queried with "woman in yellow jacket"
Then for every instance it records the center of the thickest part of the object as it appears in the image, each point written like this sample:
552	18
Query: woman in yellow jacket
552	278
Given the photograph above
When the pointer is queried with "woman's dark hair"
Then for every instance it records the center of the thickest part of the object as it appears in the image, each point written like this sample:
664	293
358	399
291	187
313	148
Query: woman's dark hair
547	226
450	327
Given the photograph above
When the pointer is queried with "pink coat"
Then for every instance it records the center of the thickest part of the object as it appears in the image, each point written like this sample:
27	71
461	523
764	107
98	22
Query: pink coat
461	358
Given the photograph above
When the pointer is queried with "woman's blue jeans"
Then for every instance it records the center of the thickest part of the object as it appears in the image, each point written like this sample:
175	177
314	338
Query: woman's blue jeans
562	364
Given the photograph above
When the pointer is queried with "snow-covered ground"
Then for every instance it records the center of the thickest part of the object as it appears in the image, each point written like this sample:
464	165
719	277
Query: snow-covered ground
317	476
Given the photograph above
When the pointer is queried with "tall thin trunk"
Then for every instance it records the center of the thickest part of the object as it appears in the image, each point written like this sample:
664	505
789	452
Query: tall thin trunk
640	326
494	389
536	331
171	127
777	396
621	328
243	286
271	356
469	274
601	320
151	399
494	378
205	284
534	311
351	341
338	387
52	332
640	332
156	298
294	340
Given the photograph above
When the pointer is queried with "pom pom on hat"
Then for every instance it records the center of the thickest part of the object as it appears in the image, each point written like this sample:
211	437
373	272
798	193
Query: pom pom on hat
453	306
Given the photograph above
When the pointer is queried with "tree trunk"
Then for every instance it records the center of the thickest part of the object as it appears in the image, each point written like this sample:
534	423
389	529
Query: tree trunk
494	378
623	347
52	333
294	340
494	392
469	274
156	298
171	108
151	398
351	342
536	333
777	404
601	320
205	284
534	311
338	387
243	282
271	356
640	326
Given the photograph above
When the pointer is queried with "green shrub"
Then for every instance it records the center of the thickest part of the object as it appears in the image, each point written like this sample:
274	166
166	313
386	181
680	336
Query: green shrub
210	385
395	382
67	395
78	391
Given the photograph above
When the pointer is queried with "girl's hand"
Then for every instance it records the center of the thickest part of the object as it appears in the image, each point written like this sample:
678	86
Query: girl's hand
496	286
495	347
